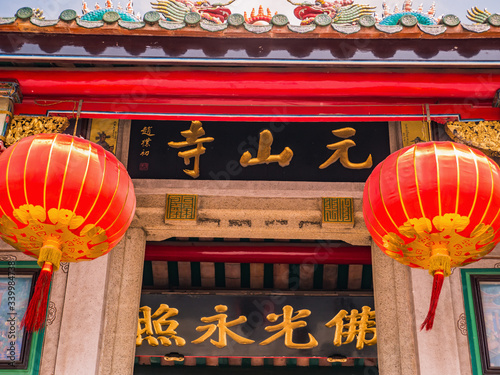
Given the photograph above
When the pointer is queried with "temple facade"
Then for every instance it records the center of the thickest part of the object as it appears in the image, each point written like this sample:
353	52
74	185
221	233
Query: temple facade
249	139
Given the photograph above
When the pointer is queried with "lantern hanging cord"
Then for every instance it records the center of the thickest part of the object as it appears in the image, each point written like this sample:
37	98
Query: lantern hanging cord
77	116
56	103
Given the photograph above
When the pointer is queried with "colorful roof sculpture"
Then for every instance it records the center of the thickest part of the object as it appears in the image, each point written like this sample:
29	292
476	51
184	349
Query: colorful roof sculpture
98	14
177	10
343	17
338	11
422	18
259	39
260	18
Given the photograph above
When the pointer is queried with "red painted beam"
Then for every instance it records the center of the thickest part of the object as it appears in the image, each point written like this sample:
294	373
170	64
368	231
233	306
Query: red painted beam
312	85
253	110
260	254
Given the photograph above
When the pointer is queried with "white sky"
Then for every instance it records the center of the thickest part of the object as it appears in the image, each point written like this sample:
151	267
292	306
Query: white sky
52	8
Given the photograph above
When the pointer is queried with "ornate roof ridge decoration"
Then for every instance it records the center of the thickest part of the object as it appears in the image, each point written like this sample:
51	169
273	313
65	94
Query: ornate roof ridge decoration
479	16
260	18
100	14
195	24
395	17
177	10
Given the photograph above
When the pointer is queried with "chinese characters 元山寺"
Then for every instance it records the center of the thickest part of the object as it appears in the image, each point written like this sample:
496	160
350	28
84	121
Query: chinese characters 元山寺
358	325
264	156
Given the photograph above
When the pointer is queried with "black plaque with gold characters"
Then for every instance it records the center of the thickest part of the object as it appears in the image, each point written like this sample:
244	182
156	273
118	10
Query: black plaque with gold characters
272	151
256	325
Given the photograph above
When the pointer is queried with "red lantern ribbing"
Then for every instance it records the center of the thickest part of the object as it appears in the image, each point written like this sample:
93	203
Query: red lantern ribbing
434	206
62	199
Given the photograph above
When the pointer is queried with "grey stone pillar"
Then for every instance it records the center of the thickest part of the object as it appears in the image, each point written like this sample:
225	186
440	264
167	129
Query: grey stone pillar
122	297
396	342
80	329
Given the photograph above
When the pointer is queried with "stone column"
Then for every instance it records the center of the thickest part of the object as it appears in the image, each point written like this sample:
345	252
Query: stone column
10	93
122	297
396	342
80	330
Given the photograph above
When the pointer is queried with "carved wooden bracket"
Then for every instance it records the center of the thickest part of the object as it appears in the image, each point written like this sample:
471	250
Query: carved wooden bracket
483	135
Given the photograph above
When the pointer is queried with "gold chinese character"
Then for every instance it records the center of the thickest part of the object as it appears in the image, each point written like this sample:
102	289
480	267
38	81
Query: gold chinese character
145	153
148	327
358	325
146	142
341	152
264	153
147	131
164	335
192	138
287	326
223	326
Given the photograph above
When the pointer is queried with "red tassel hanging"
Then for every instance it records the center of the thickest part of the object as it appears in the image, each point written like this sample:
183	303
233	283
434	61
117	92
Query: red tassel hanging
436	291
34	318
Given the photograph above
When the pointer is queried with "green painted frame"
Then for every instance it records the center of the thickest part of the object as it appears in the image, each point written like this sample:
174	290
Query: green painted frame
35	354
473	305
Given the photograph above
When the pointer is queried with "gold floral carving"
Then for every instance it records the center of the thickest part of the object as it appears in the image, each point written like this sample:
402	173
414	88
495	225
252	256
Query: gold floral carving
24	126
483	135
417	250
56	225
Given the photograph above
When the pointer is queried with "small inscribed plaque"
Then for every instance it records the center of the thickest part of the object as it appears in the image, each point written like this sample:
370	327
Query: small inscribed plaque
414	132
338	210
181	207
104	132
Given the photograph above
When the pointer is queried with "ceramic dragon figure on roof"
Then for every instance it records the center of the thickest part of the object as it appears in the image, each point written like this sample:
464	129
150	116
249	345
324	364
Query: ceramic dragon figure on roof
176	10
341	11
479	16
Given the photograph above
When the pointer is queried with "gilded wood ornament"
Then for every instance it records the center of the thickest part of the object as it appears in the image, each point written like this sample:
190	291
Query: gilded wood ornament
483	135
434	206
24	126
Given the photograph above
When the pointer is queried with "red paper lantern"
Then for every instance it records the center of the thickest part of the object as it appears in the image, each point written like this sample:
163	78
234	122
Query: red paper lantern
434	206
62	199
